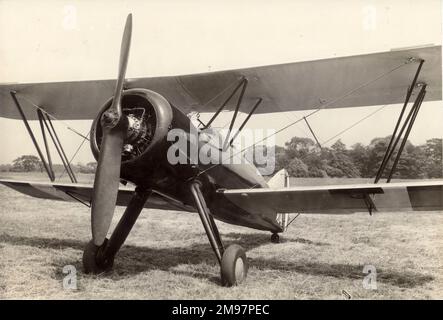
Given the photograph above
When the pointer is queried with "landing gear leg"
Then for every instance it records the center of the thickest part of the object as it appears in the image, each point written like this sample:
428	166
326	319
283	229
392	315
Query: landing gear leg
233	263
98	259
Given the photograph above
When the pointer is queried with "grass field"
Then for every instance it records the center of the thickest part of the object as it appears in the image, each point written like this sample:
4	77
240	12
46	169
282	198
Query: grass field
167	256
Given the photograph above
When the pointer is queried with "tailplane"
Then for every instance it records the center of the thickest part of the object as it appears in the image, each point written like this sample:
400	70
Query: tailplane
278	181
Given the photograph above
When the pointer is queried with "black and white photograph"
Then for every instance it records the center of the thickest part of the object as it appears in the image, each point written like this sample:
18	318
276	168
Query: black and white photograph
221	150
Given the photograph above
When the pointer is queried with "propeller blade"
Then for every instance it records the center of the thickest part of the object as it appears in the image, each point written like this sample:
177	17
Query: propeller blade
107	177
113	115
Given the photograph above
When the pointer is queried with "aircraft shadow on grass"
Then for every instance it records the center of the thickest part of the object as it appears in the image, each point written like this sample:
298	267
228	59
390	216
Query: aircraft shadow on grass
136	259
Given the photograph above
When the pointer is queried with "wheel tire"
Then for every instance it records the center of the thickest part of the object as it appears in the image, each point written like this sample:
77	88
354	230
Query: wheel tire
234	266
93	261
275	238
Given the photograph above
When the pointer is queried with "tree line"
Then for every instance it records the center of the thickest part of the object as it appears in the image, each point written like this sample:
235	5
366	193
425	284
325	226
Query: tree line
301	157
31	163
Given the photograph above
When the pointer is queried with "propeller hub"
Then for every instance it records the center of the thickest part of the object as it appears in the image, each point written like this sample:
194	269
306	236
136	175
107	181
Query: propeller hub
110	119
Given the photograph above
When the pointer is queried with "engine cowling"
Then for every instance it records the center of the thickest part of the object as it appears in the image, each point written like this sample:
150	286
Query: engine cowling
149	116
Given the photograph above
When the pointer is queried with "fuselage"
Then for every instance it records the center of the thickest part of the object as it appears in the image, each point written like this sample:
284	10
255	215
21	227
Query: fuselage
218	169
173	152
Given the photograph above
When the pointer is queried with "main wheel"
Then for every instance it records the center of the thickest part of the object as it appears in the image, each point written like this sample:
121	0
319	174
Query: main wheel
234	266
93	259
275	238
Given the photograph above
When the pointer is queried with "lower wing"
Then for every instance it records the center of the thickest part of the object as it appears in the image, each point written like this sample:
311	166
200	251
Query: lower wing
83	193
406	196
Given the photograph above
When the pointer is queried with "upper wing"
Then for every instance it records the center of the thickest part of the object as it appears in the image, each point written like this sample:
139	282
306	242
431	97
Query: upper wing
284	87
415	196
83	193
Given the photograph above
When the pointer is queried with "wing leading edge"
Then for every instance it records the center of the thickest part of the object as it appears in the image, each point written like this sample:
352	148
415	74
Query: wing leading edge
284	87
83	193
383	197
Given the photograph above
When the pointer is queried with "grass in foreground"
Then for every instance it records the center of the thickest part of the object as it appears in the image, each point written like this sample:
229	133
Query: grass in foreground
167	256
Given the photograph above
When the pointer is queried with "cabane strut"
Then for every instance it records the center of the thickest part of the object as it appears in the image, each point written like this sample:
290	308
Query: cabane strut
243	84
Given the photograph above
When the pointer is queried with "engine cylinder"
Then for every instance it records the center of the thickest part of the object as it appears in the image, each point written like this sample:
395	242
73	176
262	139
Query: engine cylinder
149	117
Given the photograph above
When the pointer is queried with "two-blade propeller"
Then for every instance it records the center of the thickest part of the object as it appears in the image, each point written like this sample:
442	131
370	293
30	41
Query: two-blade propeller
107	177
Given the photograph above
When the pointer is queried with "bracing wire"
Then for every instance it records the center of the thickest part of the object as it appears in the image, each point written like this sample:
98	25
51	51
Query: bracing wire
354	124
323	105
52	116
75	154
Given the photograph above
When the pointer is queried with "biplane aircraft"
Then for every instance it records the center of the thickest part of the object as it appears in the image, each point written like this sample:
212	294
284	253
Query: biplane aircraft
132	118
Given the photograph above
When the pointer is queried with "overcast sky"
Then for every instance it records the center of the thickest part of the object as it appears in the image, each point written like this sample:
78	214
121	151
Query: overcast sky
76	40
